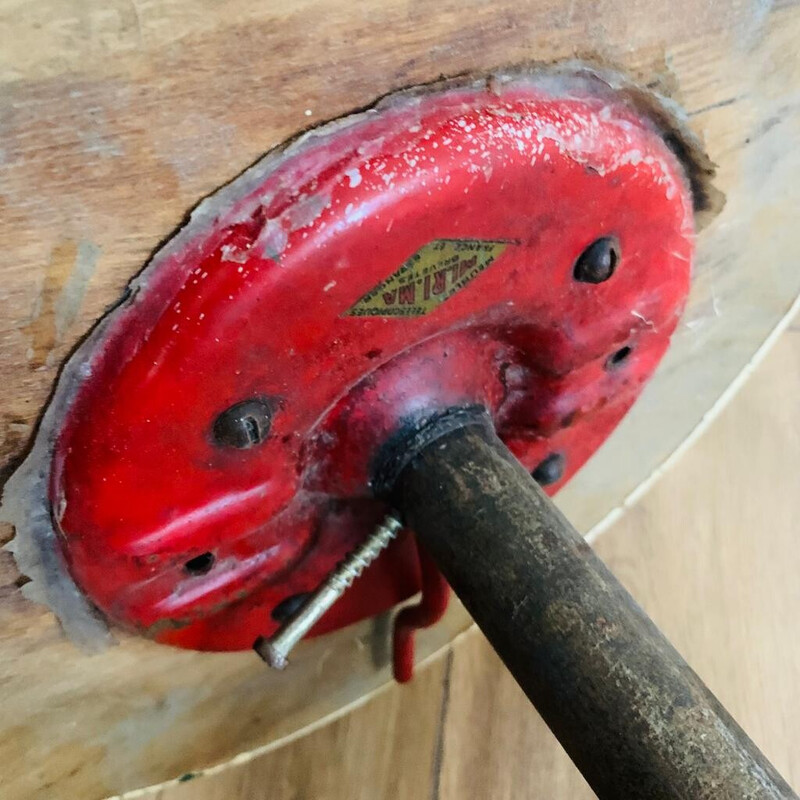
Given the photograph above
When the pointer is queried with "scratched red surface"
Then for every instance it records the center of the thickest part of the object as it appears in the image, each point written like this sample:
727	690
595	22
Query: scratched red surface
255	302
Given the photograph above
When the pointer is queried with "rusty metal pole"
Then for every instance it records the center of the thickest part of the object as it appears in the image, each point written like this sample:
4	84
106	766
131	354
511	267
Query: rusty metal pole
631	713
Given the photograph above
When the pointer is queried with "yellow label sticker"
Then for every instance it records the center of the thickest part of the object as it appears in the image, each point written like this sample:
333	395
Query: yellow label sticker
434	273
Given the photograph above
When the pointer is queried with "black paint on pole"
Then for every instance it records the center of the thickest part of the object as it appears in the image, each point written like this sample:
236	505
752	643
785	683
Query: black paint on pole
631	713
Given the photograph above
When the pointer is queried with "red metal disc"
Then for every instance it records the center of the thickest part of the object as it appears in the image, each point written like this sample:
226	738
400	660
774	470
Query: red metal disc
412	258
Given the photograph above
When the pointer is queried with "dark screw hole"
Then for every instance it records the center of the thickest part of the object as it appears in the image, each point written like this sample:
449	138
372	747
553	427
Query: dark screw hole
620	357
251	430
550	469
567	420
243	425
598	261
288	606
200	565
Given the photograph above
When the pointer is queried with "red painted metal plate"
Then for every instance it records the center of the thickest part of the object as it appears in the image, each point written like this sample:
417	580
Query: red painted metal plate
412	258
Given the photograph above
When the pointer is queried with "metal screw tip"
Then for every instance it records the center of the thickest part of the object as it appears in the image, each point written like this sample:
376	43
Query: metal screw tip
275	649
274	657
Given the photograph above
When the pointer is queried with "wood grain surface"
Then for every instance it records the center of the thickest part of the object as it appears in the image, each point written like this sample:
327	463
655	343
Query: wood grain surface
117	116
712	554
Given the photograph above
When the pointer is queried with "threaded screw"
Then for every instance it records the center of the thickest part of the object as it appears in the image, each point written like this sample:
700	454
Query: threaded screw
275	649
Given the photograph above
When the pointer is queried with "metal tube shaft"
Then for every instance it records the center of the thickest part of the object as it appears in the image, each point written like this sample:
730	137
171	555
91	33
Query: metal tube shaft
631	713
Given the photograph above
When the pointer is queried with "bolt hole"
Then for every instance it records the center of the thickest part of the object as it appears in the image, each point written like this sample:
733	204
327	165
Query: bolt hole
251	430
373	353
200	565
288	606
598	261
619	358
568	419
243	425
550	469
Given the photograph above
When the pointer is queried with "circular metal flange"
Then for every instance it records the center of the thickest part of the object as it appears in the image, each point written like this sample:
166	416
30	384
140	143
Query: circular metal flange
524	247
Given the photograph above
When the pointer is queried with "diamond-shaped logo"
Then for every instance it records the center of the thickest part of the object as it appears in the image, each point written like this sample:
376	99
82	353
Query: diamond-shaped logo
434	273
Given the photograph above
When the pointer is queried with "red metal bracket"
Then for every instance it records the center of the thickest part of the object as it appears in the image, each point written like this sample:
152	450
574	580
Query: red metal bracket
521	245
430	609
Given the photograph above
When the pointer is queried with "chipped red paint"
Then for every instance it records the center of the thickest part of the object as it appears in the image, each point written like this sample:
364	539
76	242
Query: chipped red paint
253	299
